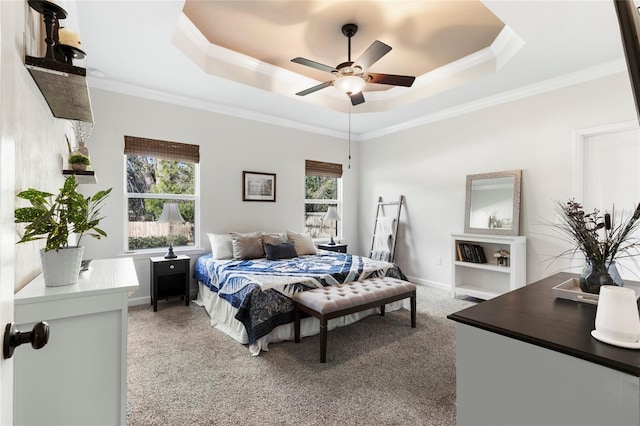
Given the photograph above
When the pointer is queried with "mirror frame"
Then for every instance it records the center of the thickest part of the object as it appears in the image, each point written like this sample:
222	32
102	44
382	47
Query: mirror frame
515	228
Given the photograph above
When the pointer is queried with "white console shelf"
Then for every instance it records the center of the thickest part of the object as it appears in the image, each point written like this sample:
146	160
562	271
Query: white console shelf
80	376
488	280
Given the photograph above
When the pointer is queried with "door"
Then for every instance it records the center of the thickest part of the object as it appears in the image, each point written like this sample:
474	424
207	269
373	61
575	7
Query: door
7	201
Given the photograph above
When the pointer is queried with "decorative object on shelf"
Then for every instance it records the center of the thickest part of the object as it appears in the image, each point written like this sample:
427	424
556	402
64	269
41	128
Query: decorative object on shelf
617	318
79	162
599	238
51	15
502	257
170	214
69	46
55	217
258	186
332	216
82	131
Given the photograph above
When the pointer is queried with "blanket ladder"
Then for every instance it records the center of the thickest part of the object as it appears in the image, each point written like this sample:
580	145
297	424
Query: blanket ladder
393	236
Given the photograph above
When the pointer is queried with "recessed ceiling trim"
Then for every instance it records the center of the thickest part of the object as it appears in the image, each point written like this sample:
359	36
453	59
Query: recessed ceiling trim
457	72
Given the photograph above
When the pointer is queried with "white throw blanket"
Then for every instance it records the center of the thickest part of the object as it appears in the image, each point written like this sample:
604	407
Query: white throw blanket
382	239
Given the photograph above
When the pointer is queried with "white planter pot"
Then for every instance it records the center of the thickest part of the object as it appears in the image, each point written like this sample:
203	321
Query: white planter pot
61	267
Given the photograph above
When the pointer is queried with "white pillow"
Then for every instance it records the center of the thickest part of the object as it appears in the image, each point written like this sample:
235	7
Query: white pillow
221	247
302	242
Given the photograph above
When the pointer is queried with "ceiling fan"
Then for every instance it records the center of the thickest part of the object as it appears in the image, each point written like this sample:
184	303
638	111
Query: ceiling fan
352	76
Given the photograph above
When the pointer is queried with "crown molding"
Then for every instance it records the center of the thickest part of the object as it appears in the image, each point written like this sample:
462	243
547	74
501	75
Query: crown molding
159	96
592	73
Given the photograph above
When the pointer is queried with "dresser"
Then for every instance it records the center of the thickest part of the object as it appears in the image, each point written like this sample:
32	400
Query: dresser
527	357
80	376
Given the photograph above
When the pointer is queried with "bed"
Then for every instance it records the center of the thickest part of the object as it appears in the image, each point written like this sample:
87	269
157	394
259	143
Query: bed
250	299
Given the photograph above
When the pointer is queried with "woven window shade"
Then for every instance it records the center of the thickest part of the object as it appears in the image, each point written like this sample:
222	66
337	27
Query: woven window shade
320	168
162	149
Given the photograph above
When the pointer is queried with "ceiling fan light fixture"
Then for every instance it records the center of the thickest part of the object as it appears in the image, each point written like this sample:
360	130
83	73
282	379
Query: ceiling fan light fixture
349	84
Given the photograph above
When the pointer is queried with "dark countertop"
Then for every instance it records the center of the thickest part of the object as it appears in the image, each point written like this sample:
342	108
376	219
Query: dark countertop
534	315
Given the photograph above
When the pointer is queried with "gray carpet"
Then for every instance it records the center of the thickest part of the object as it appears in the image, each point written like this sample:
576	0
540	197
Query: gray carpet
181	371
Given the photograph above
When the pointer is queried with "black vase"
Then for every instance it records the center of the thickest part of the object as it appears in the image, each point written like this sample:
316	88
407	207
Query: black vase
593	278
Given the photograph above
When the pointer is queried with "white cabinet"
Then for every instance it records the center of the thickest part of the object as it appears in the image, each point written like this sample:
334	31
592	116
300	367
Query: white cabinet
488	280
80	376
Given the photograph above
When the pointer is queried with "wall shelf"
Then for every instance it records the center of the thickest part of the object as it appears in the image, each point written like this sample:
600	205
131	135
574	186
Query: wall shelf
63	86
82	177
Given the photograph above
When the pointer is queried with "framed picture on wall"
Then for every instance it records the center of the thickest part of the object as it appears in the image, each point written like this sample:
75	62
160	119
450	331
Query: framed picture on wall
258	186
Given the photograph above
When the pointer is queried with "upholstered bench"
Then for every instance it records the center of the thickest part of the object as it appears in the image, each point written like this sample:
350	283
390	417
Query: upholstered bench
336	301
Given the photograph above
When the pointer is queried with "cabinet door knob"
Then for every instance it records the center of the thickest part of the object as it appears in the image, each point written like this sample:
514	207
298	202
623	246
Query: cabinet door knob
38	337
172	266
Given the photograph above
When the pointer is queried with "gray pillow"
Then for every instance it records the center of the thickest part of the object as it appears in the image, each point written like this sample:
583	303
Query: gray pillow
247	246
280	251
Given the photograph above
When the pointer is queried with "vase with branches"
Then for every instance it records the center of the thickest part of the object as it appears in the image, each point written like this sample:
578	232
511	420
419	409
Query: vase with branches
600	239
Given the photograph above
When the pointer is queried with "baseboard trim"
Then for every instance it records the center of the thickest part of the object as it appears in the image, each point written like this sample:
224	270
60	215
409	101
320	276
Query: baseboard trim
146	300
429	283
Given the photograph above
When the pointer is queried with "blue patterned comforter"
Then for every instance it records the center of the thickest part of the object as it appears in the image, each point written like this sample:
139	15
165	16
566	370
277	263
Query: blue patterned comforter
260	289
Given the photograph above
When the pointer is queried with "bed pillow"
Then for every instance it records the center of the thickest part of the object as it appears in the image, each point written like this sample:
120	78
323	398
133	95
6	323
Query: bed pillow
247	245
274	238
303	242
280	251
221	247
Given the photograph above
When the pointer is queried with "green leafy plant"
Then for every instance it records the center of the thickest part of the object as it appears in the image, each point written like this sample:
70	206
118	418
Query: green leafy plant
597	235
79	159
54	217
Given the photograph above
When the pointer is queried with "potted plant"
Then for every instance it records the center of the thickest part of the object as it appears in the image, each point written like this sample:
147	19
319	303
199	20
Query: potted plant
78	161
55	217
600	239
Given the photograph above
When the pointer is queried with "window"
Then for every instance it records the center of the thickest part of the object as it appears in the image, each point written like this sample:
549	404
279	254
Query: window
160	172
323	185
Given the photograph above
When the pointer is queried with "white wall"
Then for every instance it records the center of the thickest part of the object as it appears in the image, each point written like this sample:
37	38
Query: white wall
429	165
38	137
228	145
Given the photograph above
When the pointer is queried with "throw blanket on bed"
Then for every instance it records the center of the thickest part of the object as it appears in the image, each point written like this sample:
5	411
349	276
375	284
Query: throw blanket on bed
260	289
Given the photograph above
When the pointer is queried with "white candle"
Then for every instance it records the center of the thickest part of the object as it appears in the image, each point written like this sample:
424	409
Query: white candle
69	38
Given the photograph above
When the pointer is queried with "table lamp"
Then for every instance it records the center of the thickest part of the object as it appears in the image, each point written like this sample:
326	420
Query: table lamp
332	214
170	214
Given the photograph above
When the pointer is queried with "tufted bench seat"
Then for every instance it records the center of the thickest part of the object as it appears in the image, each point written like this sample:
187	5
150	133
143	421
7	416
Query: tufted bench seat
343	299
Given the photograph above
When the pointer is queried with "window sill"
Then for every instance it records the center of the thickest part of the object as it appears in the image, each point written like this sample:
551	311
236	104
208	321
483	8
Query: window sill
144	254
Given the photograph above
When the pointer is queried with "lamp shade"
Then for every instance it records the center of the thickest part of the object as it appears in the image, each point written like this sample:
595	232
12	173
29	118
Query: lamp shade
170	214
332	214
349	84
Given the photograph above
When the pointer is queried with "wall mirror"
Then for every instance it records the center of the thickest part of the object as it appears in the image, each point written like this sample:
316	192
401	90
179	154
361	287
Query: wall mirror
493	203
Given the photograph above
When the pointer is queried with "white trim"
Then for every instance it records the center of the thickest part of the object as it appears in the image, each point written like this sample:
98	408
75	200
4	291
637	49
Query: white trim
579	140
567	80
429	283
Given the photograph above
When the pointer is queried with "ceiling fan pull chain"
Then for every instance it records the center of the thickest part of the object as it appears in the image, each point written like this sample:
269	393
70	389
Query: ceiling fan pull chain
350	107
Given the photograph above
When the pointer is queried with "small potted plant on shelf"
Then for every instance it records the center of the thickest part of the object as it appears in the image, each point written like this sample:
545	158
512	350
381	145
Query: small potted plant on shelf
54	218
78	161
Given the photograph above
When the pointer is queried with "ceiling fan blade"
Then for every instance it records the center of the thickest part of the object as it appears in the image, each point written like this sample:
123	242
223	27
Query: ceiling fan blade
372	55
313	64
392	79
357	98
315	88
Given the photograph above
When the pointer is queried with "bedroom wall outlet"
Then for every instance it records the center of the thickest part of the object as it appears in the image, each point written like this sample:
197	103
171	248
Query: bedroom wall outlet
438	260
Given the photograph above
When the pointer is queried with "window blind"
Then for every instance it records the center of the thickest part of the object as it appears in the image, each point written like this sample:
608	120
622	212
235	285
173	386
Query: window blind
321	168
161	149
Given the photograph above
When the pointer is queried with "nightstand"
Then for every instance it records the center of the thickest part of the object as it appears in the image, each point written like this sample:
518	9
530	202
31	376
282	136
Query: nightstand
340	248
169	278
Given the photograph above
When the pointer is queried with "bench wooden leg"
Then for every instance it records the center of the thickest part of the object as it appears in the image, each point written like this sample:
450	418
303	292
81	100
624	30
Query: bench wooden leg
413	311
323	340
382	310
296	324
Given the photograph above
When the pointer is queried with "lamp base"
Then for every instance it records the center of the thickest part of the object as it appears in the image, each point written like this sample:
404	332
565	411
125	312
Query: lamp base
170	254
331	243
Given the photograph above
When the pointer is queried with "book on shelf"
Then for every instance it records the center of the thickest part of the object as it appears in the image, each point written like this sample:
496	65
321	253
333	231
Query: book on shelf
472	253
